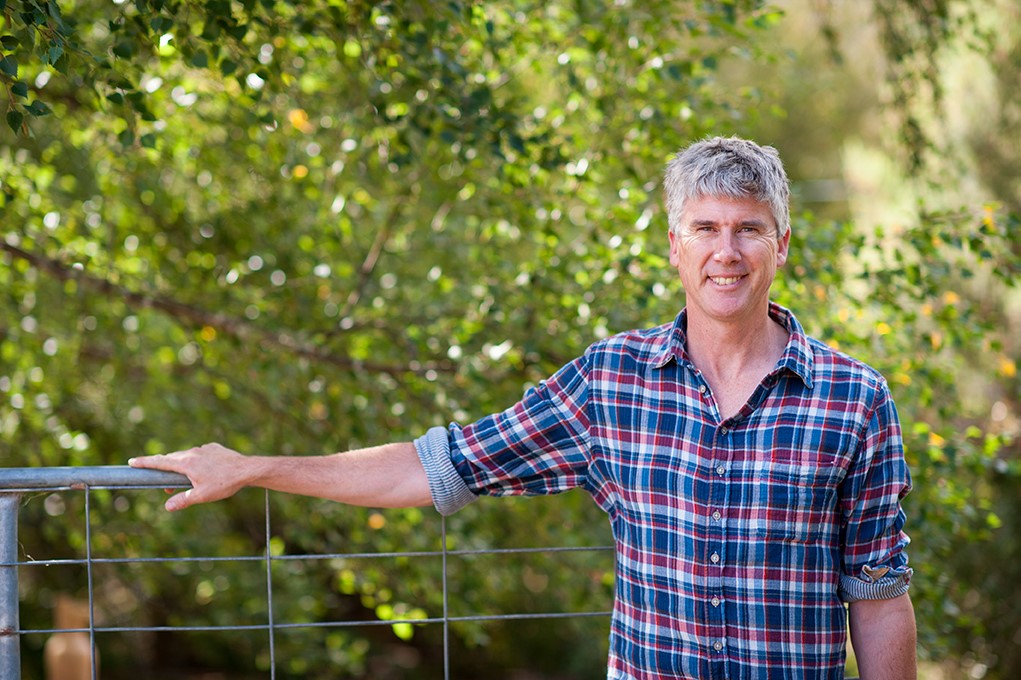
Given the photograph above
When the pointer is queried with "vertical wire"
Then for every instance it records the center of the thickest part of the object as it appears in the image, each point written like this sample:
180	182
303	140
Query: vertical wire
269	596
88	572
446	616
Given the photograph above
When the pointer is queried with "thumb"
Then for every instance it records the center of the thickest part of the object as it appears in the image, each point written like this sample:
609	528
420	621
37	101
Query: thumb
179	501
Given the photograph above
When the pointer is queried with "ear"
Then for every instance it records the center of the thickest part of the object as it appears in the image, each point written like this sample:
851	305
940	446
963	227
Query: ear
674	246
783	248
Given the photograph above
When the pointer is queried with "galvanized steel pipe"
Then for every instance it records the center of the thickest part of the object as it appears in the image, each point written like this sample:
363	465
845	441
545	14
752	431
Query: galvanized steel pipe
10	634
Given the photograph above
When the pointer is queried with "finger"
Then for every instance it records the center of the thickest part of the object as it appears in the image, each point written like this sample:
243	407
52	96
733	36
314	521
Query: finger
179	501
160	462
143	462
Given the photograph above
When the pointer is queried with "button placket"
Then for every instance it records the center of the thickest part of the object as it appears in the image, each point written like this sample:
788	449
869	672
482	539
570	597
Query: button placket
719	494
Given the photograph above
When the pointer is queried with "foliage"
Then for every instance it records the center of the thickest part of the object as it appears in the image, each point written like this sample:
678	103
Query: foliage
300	228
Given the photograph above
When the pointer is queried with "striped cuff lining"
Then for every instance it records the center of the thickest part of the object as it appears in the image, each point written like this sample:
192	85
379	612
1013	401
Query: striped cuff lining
449	492
892	585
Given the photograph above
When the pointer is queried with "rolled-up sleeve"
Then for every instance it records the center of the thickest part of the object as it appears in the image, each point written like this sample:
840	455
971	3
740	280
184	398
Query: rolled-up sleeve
875	564
448	490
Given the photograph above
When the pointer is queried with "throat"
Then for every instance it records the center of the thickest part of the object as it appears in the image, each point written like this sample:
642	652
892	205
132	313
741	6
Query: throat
735	364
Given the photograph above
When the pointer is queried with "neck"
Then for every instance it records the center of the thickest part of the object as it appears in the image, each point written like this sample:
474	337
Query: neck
725	349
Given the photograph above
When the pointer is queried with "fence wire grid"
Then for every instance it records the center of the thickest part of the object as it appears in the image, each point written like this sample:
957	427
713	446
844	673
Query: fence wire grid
15	483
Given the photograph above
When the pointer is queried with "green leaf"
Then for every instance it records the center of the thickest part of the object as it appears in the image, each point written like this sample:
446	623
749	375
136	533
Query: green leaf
211	31
116	98
20	89
38	108
200	60
14	120
124	49
9	66
148	141
227	67
9	42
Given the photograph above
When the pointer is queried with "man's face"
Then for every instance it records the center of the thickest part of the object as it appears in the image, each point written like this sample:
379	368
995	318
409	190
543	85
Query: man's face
726	252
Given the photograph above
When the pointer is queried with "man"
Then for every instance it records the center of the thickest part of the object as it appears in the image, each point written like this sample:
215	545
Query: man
751	474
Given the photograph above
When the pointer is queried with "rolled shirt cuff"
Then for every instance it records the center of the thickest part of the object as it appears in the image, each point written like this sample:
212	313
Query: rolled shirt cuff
448	490
893	583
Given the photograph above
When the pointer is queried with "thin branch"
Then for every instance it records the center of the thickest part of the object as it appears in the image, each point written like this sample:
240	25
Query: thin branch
189	314
371	258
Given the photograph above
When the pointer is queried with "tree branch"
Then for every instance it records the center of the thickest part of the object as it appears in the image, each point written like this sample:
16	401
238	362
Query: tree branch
194	316
371	258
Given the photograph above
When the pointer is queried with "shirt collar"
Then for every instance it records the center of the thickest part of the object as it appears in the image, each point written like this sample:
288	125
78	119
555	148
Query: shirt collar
796	358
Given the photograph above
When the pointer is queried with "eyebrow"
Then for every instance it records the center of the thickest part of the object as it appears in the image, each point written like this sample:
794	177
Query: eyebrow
742	223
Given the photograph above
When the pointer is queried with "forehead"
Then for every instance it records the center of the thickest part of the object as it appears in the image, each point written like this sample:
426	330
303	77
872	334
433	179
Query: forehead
726	210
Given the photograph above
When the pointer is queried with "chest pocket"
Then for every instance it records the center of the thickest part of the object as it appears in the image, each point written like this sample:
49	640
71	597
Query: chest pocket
793	500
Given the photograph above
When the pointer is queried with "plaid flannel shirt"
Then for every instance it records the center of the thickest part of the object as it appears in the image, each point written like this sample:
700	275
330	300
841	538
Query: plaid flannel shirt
739	540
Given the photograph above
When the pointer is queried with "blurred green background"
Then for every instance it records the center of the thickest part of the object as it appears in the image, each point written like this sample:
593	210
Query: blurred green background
298	228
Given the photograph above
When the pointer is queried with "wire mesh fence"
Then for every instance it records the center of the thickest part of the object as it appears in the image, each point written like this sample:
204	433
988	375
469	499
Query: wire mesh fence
268	624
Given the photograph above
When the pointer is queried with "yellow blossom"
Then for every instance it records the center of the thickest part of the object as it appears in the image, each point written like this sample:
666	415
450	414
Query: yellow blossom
299	120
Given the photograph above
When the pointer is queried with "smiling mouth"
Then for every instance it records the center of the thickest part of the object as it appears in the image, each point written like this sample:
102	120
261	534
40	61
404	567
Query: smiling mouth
724	280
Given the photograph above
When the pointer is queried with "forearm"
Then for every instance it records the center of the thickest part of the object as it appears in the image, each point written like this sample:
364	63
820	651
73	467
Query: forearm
383	476
883	635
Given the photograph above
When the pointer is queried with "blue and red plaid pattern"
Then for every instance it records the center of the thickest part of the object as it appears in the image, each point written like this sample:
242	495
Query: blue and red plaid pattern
738	540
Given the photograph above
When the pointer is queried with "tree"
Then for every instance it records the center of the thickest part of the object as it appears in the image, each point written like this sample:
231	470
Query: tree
304	229
945	298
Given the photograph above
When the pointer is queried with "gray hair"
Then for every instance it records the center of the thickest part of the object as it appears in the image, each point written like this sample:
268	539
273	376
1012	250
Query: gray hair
727	167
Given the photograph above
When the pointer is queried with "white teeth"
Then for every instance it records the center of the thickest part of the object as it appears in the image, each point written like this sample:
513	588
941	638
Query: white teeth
720	281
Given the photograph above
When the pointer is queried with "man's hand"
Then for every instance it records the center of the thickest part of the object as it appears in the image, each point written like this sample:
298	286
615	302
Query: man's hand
215	472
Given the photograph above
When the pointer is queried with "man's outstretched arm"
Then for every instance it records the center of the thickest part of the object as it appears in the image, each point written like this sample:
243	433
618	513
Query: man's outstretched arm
388	476
883	635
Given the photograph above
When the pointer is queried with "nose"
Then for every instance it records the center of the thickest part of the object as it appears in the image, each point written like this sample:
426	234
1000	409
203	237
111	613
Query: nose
726	247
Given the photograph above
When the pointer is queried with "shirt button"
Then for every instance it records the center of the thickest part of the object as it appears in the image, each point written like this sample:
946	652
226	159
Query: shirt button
701	388
718	645
714	558
715	601
724	430
717	515
720	470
